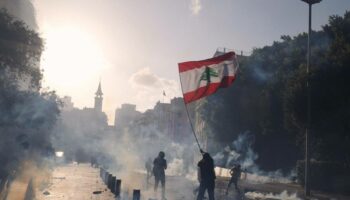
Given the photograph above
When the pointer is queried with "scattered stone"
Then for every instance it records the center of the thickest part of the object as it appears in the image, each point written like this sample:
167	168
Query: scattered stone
46	193
97	192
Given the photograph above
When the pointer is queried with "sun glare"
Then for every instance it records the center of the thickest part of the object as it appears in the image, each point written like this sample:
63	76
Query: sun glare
59	153
71	58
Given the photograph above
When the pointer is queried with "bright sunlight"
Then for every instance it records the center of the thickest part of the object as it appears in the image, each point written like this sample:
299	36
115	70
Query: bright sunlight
71	58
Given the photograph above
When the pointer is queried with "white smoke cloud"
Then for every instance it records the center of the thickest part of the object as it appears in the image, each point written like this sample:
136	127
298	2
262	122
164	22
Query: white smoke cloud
150	87
196	6
145	78
284	195
241	152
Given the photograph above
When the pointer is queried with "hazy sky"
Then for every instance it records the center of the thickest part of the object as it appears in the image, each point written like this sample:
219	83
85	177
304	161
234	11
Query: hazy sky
134	45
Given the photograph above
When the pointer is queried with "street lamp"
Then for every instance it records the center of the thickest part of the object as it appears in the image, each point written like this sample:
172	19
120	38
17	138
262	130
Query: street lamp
307	130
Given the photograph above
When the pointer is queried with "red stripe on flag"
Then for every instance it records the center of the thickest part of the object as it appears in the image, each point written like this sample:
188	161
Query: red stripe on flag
185	66
208	90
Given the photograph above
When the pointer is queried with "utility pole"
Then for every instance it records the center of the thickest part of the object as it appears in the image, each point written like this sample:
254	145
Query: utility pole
308	122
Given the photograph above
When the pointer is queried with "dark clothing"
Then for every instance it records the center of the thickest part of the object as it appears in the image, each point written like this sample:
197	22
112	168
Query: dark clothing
234	181
236	172
156	182
207	172
207	178
209	186
159	166
235	176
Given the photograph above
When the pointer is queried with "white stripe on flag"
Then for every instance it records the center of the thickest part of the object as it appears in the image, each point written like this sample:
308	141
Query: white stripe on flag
191	80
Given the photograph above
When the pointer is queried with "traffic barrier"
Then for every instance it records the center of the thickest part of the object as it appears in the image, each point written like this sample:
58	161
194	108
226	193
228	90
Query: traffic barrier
136	195
105	177
117	186
111	183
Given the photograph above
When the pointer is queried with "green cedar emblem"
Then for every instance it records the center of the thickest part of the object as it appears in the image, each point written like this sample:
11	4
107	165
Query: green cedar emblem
207	74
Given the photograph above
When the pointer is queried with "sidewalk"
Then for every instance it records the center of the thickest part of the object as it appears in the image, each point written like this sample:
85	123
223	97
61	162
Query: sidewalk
77	182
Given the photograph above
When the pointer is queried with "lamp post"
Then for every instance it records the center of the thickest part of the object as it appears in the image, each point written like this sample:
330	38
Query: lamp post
307	130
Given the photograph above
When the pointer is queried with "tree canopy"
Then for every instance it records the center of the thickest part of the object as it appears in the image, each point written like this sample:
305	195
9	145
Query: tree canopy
27	115
269	99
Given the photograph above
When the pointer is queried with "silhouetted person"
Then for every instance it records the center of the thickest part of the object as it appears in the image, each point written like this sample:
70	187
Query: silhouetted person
93	162
159	167
206	177
148	166
235	176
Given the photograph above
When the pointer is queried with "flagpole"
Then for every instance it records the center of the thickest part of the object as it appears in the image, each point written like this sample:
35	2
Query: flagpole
189	118
194	133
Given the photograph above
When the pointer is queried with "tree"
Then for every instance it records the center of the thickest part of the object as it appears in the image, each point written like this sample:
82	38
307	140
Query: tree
330	93
269	99
27	115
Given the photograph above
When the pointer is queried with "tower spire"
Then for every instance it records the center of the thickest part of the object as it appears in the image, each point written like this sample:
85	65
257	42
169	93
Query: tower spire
98	98
99	90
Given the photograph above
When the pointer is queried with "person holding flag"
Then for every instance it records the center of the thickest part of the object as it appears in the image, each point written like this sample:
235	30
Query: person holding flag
200	79
203	78
206	176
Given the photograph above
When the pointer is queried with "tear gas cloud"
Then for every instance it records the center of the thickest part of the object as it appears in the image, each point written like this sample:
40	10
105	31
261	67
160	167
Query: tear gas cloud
241	152
25	131
283	195
83	135
125	151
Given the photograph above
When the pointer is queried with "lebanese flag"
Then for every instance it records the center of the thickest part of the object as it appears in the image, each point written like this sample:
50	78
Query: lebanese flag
205	77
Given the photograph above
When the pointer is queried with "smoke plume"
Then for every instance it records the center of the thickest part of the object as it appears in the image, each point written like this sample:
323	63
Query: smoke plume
241	152
283	195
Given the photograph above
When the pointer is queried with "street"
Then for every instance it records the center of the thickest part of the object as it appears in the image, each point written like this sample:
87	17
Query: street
80	182
76	182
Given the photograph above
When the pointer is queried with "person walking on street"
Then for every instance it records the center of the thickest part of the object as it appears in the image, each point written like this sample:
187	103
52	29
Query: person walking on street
206	177
235	176
148	166
159	167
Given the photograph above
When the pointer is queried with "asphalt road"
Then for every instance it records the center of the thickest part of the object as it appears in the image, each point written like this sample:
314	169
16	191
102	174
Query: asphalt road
79	182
